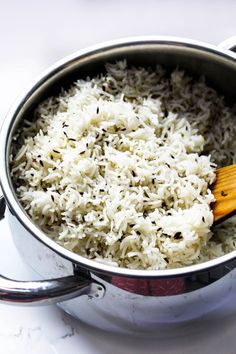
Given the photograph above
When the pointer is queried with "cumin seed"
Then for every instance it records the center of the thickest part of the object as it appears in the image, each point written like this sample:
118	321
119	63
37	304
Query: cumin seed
178	236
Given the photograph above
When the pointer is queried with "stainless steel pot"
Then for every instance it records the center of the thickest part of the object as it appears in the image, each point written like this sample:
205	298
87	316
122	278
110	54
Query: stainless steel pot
115	298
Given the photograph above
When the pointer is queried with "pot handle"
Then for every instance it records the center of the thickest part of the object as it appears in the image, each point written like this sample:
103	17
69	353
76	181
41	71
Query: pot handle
2	207
229	44
45	292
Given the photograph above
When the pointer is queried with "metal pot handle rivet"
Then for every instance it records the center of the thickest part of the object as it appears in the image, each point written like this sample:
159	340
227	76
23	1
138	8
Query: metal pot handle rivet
44	292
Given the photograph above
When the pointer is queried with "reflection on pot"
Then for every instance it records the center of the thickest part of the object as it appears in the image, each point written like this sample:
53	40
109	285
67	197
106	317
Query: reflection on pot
151	287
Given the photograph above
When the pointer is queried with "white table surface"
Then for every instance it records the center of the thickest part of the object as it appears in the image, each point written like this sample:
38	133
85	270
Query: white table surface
33	35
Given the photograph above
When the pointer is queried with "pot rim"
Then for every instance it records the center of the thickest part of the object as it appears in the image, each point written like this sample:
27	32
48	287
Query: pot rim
5	180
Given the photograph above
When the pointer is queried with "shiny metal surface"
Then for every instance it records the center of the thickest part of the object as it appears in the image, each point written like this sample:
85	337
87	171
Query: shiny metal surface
135	299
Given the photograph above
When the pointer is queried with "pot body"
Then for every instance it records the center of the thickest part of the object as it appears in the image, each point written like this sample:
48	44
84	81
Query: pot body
127	306
134	300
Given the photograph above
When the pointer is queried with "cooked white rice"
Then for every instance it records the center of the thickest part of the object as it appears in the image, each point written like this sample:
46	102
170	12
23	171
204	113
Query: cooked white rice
118	168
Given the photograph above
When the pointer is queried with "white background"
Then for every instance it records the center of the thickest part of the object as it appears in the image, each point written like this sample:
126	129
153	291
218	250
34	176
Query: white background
33	35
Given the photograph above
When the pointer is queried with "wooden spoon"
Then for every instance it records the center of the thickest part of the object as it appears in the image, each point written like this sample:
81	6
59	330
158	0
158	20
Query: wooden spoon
224	190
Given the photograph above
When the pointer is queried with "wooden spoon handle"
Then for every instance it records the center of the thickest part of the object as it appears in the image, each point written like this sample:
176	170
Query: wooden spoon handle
224	190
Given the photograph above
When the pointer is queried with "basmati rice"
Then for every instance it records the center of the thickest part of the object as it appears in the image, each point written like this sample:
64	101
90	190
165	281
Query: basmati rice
118	168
